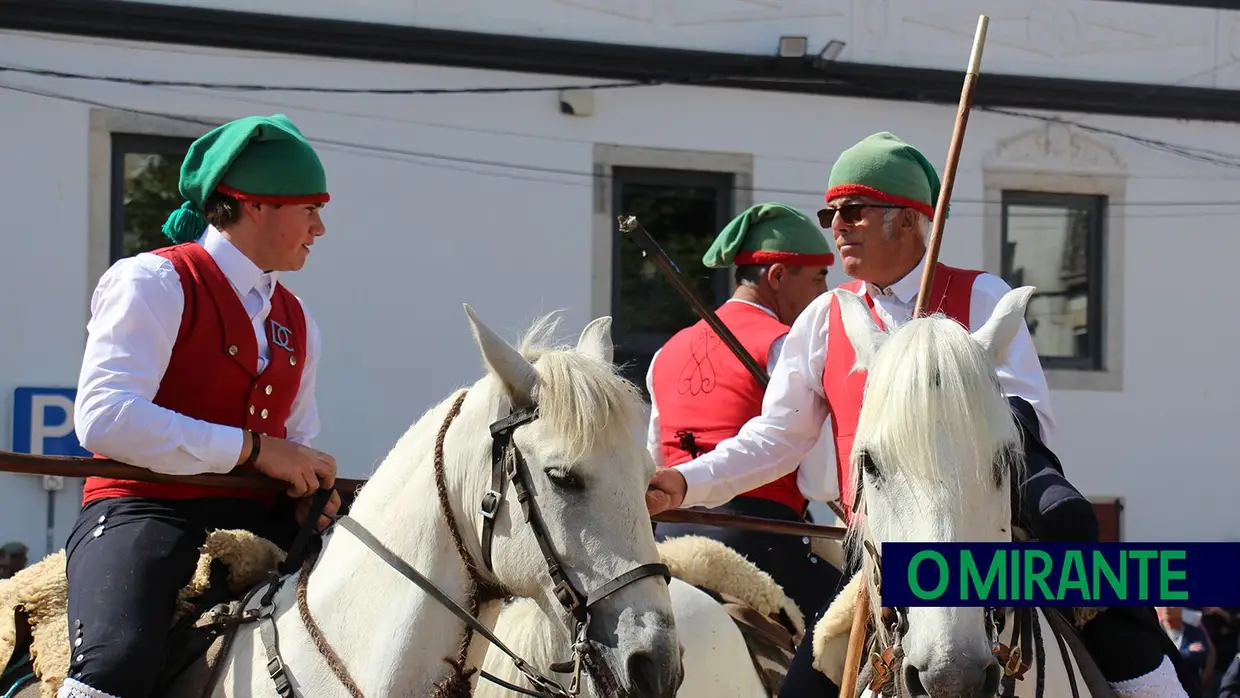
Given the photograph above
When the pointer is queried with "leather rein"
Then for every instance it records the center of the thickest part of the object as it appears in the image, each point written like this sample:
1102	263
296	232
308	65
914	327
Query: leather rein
880	672
507	465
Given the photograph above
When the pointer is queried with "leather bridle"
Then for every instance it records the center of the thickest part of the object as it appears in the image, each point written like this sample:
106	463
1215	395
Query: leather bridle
879	674
508	465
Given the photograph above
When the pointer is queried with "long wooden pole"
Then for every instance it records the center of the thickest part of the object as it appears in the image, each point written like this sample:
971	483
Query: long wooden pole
856	638
949	171
73	466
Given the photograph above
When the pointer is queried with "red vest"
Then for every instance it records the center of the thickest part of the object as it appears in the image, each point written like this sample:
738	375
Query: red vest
703	390
213	372
950	293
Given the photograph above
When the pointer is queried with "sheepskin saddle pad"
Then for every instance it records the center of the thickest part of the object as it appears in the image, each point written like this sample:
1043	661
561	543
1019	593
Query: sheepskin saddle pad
34	627
770	622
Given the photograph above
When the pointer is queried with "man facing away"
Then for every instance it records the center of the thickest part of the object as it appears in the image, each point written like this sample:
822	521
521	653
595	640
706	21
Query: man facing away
198	360
880	201
701	394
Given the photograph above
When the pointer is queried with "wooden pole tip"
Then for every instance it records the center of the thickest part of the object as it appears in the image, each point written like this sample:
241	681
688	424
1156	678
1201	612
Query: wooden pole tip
979	40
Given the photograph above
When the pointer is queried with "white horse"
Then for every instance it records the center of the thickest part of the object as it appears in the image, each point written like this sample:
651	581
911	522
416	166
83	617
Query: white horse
587	475
358	625
936	452
716	661
934	456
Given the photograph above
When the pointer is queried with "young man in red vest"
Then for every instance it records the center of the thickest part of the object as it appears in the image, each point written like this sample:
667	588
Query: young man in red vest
701	394
197	361
880	201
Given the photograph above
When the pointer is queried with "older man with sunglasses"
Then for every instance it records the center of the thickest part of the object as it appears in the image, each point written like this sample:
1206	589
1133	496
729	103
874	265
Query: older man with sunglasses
881	198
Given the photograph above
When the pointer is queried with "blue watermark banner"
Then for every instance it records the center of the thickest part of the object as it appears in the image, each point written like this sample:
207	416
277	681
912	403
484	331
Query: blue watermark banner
1061	574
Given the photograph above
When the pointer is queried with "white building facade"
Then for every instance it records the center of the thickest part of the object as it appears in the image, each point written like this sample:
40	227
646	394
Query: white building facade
1100	164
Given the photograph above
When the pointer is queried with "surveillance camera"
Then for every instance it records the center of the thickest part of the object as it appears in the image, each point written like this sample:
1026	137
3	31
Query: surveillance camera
577	102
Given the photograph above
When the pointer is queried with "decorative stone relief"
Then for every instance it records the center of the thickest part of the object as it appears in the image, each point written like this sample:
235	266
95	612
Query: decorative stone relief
1057	148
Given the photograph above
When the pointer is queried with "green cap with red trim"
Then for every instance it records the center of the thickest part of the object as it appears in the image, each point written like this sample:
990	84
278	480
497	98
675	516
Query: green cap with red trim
886	168
769	233
264	159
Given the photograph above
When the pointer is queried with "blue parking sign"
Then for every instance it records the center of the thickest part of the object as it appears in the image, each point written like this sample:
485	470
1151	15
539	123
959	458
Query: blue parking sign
43	422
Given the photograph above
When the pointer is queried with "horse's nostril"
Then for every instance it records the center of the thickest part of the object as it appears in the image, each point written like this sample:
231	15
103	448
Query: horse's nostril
994	674
644	674
948	680
912	681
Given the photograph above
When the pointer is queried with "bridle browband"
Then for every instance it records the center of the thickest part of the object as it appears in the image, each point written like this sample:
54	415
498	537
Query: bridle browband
507	464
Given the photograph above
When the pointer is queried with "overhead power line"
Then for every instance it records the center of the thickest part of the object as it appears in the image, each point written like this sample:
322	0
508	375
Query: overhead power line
249	87
1203	155
584	178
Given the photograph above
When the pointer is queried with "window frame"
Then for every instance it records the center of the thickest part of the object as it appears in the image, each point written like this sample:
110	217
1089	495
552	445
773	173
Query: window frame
122	144
1060	159
610	157
722	182
1095	251
103	124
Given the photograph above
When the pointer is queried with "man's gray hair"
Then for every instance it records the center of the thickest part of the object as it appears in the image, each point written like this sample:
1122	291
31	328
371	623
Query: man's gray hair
889	223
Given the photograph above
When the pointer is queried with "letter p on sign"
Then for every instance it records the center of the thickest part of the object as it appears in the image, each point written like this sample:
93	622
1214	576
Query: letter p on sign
43	422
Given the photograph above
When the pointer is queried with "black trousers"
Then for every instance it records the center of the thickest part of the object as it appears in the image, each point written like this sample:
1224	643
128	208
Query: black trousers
127	559
807	579
803	680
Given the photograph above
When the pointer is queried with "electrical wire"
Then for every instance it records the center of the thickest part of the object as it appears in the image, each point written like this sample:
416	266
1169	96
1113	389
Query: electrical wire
585	179
1205	155
244	87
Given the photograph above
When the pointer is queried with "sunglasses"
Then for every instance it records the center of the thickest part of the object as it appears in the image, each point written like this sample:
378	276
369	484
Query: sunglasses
849	213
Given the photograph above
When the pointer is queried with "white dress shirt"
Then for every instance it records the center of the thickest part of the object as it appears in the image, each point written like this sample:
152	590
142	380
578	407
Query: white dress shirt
822	453
135	318
795	412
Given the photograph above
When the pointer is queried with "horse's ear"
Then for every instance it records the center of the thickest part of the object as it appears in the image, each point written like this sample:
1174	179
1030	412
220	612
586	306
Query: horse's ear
864	333
517	374
1005	322
595	339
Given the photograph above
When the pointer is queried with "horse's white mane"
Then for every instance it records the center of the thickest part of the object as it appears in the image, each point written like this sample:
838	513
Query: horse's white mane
933	416
580	400
579	397
933	384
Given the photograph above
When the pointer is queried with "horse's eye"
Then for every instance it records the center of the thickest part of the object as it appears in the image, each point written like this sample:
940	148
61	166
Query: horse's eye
563	479
868	465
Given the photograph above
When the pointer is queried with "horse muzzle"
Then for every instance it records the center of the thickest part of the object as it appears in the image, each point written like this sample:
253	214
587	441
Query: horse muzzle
649	667
958	677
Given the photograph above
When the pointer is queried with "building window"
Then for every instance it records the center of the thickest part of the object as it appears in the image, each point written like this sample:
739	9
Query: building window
1055	242
683	211
145	172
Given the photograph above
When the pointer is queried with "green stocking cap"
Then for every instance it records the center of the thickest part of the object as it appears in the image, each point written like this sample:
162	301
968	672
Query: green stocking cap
886	168
770	233
263	159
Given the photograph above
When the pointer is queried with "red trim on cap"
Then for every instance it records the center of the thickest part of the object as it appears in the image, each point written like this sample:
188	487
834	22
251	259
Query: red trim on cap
871	192
274	200
793	258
